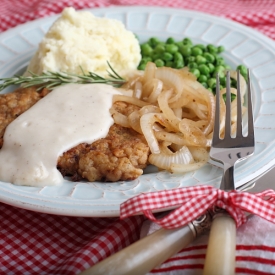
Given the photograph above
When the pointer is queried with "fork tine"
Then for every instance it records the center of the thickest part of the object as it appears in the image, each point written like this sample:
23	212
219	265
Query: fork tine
227	129
239	107
216	131
249	108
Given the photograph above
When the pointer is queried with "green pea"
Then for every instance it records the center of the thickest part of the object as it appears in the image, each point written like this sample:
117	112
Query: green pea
204	84
169	63
196	51
159	63
178	64
233	83
220	62
179	43
160	48
142	66
178	56
219	68
145	60
203	61
209	57
167	56
200	59
221	49
211	67
185	50
171	48
146	49
214	88
211	82
243	70
193	65
195	72
210	89
190	59
222	80
232	97
201	46
221	74
202	78
156	56
170	40
211	48
204	70
187	41
153	41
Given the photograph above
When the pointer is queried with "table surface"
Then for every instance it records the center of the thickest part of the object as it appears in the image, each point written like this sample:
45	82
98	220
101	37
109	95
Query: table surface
37	243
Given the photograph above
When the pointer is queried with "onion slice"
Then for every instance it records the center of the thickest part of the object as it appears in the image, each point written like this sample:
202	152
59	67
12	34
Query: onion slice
164	160
200	155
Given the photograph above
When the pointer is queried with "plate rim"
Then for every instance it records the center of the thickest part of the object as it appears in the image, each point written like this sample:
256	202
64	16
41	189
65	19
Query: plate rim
46	208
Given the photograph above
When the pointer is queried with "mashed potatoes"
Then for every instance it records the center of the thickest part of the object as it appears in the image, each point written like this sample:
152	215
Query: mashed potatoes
81	39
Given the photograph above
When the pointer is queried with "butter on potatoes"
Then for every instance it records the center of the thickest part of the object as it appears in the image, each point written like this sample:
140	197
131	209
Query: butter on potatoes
78	38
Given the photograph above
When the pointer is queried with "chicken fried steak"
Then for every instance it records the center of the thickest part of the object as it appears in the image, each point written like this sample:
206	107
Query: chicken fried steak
14	104
121	155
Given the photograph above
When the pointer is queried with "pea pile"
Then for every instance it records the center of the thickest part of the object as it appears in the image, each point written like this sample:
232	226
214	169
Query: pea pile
204	61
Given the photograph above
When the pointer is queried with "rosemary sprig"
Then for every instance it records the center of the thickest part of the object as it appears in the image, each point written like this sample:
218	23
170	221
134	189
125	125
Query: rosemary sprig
51	80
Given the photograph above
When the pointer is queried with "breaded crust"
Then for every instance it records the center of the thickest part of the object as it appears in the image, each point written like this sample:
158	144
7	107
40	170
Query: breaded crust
14	104
121	155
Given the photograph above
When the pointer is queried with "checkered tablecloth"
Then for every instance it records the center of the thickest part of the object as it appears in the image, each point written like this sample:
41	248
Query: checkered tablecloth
35	243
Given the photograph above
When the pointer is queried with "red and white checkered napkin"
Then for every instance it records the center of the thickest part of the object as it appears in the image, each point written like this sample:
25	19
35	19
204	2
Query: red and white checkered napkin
192	202
255	251
259	14
255	241
34	243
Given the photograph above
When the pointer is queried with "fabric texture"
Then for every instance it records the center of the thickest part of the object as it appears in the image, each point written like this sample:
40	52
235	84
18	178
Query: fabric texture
36	243
192	202
254	251
258	14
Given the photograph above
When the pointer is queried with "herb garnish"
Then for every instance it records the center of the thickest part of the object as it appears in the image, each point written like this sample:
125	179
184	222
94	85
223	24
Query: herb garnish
51	80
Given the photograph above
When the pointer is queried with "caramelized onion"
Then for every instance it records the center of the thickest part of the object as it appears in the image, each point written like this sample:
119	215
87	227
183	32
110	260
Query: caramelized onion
200	156
129	99
120	119
164	160
177	113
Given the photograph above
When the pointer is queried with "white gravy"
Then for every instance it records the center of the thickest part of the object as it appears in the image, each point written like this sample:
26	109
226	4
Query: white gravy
69	115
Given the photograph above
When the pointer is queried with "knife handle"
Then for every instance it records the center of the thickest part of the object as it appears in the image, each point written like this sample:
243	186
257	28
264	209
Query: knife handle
221	249
151	251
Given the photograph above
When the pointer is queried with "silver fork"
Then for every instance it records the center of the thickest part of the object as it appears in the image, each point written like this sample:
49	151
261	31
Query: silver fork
232	150
220	256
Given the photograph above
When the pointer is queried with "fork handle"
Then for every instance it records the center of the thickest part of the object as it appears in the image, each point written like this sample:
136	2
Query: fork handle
227	182
221	249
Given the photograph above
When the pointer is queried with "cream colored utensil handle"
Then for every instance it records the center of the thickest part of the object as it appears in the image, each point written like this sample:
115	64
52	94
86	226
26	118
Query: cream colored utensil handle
145	254
221	250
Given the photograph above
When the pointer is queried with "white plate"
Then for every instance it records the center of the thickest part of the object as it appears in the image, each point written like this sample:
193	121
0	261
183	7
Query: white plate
243	46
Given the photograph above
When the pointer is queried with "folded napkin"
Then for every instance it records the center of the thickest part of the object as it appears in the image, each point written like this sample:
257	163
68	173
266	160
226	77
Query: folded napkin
37	243
34	243
255	252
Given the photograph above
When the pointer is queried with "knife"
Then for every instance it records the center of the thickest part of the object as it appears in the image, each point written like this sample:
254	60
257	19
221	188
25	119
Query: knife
149	252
